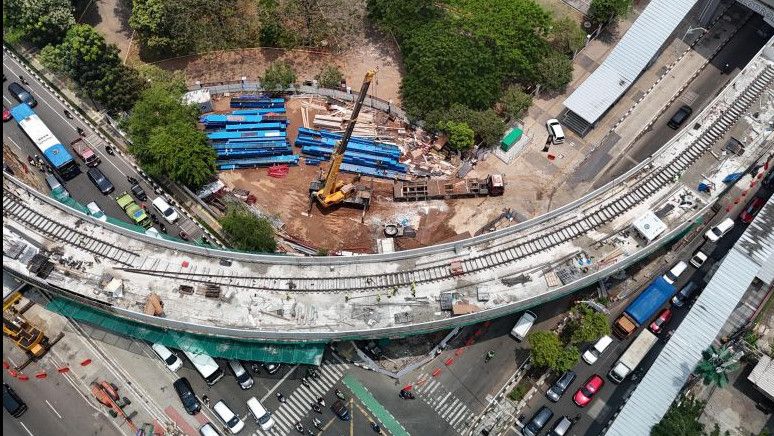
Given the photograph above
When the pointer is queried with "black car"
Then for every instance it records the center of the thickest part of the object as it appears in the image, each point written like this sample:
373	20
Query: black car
557	389
21	94
538	421
340	410
98	178
685	294
187	396
138	192
680	117
12	402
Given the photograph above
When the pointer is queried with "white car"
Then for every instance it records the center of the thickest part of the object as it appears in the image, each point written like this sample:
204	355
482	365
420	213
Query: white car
673	274
165	210
717	232
698	259
232	421
173	362
555	130
96	212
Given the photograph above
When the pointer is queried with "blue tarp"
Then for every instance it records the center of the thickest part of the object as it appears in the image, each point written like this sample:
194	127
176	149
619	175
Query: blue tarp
733	177
275	110
256	126
223	135
650	300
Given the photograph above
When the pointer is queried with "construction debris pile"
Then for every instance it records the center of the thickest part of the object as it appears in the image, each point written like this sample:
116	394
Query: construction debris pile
252	137
363	156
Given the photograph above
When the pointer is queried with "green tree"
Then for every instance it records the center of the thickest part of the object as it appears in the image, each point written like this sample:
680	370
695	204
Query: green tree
567	359
278	76
95	67
546	348
156	107
172	81
605	11
567	36
555	71
715	365
487	125
248	232
41	22
589	326
682	419
182	153
515	102
460	135
330	77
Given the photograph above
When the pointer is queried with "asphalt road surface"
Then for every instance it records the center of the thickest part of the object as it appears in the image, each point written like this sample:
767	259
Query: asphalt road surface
736	53
594	417
115	167
54	408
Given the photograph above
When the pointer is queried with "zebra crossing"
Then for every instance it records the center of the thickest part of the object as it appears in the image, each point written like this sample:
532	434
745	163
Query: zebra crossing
298	405
450	408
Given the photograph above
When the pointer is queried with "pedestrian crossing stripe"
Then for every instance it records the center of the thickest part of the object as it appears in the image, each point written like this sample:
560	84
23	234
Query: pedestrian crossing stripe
450	408
298	404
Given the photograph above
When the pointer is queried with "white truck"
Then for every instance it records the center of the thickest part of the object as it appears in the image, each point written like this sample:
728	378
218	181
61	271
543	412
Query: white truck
633	355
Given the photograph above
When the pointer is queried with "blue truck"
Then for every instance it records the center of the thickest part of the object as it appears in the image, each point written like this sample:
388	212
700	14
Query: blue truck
643	307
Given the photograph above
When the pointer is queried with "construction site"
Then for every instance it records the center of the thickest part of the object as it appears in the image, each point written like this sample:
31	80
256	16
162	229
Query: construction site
405	184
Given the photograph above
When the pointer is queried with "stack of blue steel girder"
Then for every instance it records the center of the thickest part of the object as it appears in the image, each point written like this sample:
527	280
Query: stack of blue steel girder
249	138
363	156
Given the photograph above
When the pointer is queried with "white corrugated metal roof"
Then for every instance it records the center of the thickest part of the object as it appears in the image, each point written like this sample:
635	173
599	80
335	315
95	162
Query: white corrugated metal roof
666	377
763	375
627	60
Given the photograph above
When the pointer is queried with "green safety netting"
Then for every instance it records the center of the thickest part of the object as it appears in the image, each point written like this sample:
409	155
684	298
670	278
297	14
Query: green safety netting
227	348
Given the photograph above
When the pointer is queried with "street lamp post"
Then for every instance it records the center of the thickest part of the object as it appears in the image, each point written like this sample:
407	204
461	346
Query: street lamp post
692	29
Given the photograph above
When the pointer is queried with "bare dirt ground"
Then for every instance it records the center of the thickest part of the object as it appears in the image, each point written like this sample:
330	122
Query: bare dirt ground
111	19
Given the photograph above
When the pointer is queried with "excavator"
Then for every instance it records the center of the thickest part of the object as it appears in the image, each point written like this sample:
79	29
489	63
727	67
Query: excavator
330	191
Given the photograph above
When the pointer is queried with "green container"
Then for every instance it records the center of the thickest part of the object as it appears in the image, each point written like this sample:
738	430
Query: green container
511	138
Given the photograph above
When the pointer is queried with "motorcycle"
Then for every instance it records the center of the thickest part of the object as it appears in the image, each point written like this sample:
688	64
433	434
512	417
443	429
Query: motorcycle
132	180
280	398
316	407
256	369
183	235
489	356
311	372
317	423
163	228
109	150
407	395
154	218
310	432
321	401
299	428
80	131
68	114
305	382
340	395
376	427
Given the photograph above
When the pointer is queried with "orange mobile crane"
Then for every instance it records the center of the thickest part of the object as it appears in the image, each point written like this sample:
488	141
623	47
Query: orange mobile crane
330	191
25	335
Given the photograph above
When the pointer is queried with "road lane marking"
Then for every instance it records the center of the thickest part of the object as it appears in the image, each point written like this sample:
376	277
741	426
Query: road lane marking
282	380
17	146
52	408
25	428
375	407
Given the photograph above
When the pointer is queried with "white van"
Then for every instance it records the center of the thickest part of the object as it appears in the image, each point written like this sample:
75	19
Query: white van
522	327
592	354
232	421
208	430
207	366
173	362
719	230
262	416
165	210
241	374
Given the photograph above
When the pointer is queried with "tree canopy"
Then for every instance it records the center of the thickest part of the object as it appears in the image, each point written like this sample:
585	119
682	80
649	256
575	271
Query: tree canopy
515	102
547	351
487	125
330	77
567	36
605	11
681	419
460	135
41	22
248	232
95	67
589	326
165	139
278	76
465	51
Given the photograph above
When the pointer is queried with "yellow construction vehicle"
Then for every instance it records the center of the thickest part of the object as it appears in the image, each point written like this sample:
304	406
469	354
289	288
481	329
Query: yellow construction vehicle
28	337
330	191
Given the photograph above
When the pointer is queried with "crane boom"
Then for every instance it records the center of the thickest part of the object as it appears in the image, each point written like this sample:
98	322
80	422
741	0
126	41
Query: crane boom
331	193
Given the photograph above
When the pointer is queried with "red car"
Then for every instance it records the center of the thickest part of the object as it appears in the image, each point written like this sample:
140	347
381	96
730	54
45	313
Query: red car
663	317
751	209
6	114
584	395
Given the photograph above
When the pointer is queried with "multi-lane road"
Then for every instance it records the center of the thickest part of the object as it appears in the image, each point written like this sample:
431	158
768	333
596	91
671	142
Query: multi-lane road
596	415
115	167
